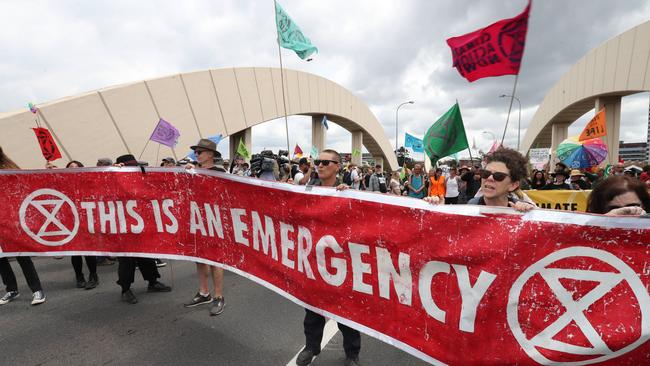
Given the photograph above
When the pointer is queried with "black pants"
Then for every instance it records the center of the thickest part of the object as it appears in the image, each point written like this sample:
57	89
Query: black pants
9	279
314	324
126	271
77	264
451	200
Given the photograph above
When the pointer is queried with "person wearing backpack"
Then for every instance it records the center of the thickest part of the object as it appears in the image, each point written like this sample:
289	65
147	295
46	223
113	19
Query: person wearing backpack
378	181
416	183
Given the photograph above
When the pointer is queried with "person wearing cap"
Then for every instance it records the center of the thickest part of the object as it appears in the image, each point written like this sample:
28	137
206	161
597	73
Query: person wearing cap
304	172
208	157
104	162
577	181
168	162
558	182
126	265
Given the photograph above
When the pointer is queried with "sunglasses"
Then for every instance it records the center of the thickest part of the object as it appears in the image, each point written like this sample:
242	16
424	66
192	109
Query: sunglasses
325	162
498	176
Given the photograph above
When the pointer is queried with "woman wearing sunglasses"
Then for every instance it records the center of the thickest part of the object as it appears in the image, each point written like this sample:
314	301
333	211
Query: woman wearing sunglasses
619	195
500	179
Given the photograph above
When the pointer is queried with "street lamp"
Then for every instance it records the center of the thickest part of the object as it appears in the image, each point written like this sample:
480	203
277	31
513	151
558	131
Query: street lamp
519	128
397	124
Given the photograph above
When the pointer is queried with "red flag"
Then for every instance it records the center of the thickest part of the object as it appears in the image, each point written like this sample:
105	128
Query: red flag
48	146
297	152
492	51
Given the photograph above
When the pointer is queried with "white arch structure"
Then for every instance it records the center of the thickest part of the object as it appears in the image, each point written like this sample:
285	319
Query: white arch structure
617	68
115	120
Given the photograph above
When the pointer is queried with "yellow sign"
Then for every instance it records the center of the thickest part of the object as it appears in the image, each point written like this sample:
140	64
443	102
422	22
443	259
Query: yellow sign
595	128
560	199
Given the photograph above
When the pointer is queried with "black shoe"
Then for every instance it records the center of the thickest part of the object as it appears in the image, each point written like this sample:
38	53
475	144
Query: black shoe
199	299
93	281
305	357
160	263
352	361
218	306
81	282
158	287
129	298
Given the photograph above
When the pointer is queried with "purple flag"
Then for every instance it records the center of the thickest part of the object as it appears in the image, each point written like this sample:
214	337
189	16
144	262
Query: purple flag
165	134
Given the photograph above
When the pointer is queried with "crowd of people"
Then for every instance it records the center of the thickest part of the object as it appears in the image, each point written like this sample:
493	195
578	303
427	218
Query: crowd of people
500	182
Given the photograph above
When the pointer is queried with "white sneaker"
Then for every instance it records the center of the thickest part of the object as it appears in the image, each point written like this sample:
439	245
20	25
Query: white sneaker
9	297
38	297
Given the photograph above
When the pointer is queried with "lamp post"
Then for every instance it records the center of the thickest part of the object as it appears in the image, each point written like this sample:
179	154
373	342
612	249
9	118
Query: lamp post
519	124
397	124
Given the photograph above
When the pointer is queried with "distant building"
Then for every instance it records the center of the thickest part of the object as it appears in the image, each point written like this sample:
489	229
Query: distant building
633	151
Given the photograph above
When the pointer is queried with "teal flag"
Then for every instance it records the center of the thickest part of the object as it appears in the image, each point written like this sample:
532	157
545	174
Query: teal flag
314	152
290	36
413	142
446	136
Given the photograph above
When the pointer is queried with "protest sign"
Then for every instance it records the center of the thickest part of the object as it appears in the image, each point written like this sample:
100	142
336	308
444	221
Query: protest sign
538	157
560	199
467	285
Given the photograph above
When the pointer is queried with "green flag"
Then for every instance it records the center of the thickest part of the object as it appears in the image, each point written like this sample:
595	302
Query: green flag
446	136
290	36
356	152
242	150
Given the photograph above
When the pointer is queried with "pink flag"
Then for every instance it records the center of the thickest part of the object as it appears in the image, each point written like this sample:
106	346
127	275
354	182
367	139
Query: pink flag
165	134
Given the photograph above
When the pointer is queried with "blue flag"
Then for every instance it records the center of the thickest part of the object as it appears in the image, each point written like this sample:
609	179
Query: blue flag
290	36
216	140
324	122
414	143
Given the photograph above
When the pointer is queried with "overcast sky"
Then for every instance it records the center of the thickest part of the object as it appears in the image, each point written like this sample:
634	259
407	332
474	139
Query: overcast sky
385	52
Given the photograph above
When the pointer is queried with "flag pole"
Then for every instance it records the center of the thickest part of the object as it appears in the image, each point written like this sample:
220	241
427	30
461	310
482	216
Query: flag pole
284	102
512	98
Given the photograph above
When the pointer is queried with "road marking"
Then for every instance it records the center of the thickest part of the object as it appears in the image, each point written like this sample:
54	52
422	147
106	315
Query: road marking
331	328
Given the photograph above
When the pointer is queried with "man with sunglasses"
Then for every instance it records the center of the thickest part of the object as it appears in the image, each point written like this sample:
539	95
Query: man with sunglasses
328	163
206	154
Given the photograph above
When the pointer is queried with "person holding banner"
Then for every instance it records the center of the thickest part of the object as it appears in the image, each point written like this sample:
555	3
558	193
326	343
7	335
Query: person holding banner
26	264
206	151
619	196
126	265
500	181
328	165
77	261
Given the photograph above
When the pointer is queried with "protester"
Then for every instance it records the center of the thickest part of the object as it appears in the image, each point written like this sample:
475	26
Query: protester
101	162
304	172
416	183
328	165
599	178
452	187
462	187
559	178
500	180
104	261
238	167
50	165
619	195
395	187
206	151
577	181
355	176
365	183
618	169
26	264
77	262
168	162
645	175
538	180
285	174
472	181
437	186
378	180
126	265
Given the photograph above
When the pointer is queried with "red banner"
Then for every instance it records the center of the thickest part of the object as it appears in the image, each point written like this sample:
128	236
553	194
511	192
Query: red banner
491	51
48	145
459	285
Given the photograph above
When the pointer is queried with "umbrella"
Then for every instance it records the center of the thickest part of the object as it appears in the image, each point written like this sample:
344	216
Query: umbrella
581	154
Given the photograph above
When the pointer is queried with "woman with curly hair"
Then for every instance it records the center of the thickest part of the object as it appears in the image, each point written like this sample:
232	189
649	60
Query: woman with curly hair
26	264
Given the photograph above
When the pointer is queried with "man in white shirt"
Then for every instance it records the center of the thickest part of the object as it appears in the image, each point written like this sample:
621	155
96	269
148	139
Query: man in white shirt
304	172
354	175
